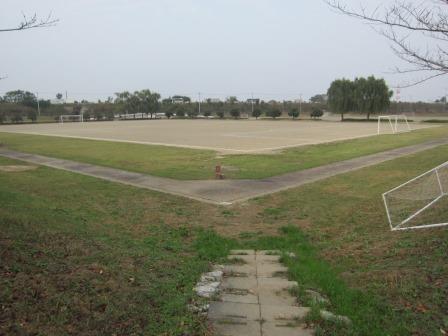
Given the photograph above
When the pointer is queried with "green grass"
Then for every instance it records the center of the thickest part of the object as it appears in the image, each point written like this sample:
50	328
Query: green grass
82	256
85	256
183	164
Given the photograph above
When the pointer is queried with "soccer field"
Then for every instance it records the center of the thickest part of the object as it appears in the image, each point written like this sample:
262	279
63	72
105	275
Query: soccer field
225	136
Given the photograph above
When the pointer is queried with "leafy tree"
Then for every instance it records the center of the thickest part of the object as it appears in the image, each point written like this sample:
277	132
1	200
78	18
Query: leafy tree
220	114
256	113
371	95
316	113
235	113
274	113
147	101
319	99
232	100
341	96
294	113
21	97
168	114
59	96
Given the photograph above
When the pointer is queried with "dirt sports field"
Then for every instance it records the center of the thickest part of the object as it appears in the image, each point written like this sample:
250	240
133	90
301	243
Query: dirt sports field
225	136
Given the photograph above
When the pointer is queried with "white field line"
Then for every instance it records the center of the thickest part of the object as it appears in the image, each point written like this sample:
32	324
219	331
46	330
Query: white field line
217	149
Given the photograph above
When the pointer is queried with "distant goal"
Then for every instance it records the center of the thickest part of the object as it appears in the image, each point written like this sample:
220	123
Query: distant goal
393	124
71	118
419	203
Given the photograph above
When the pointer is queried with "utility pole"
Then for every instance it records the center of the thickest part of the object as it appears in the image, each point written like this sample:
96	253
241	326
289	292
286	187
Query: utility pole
252	101
38	105
199	105
300	105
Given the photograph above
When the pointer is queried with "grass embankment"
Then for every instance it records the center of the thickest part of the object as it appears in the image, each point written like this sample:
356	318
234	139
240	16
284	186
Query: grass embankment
85	256
184	164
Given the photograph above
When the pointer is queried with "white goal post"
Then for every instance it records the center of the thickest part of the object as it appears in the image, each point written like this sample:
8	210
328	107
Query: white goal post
394	121
71	117
419	203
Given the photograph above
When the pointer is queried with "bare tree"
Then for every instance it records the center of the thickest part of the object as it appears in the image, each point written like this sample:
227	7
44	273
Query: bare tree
404	21
32	22
29	23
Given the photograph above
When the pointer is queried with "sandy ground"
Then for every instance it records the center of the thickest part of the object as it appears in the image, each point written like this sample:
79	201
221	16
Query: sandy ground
225	136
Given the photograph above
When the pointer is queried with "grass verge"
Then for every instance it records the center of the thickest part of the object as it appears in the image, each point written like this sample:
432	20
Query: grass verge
184	164
84	256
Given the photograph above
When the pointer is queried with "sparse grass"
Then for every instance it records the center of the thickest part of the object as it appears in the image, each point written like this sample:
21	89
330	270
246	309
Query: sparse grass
182	163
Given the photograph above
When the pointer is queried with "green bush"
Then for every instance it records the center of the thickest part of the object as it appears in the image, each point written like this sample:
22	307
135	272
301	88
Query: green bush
317	113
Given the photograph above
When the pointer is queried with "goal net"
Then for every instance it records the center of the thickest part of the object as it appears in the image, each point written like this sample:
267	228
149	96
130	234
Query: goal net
419	203
393	124
71	118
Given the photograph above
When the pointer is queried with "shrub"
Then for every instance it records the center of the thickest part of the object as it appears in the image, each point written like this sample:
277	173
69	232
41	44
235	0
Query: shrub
235	113
32	115
180	113
256	113
317	113
220	114
274	113
17	118
193	113
294	113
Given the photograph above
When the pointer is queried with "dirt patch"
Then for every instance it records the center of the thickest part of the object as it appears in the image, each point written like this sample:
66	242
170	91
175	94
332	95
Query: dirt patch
16	168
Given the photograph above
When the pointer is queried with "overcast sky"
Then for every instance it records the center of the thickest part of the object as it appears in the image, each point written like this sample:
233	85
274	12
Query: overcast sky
275	49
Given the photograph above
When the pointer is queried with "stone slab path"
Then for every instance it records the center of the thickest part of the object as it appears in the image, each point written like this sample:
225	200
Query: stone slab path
255	299
222	191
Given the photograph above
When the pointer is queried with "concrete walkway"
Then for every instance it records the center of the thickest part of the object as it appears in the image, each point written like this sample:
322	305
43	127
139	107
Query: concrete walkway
255	299
222	191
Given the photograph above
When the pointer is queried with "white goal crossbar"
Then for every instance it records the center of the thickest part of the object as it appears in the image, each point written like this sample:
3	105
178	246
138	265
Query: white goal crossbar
71	117
409	200
393	121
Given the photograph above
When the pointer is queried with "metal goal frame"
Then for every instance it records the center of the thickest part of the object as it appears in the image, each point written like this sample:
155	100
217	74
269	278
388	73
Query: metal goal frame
443	193
393	122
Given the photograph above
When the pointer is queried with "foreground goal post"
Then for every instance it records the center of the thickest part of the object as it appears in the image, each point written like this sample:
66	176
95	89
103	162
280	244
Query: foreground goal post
394	121
419	203
71	117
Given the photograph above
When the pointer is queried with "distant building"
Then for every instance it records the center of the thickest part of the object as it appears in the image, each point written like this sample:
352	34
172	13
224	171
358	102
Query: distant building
254	101
58	101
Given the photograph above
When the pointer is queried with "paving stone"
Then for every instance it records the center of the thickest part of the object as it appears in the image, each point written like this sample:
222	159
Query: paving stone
240	270
284	329
326	315
276	297
278	283
242	252
246	259
236	328
241	312
249	283
267	259
247	298
271	270
282	313
268	252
